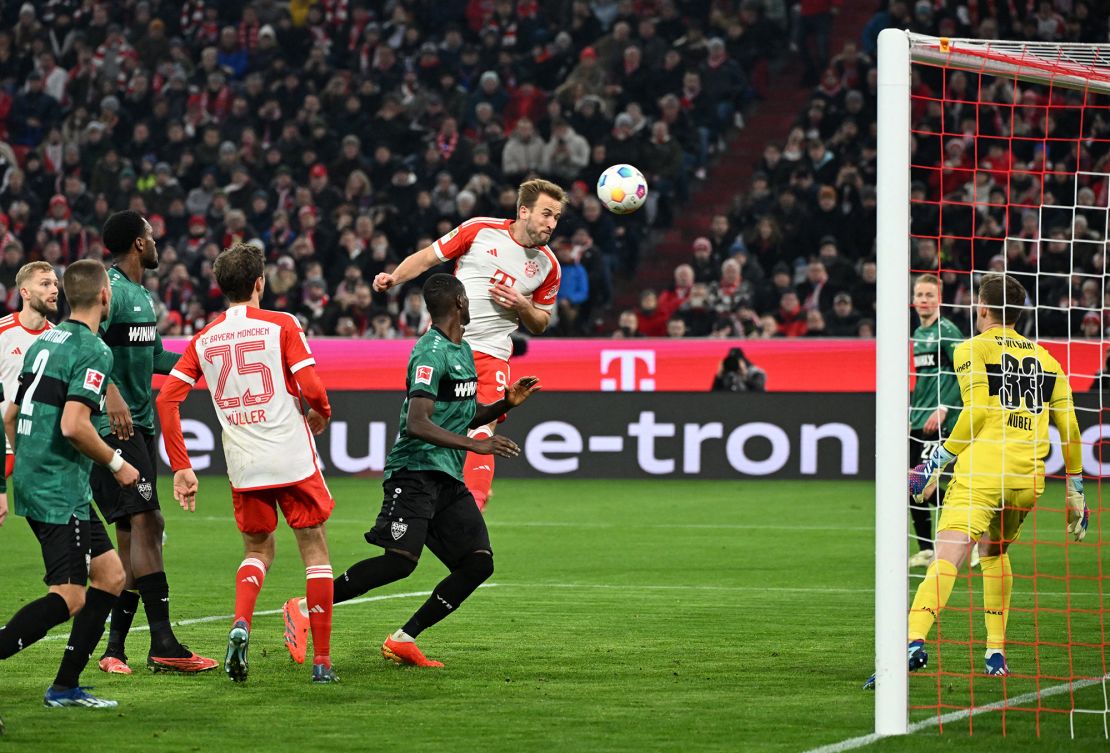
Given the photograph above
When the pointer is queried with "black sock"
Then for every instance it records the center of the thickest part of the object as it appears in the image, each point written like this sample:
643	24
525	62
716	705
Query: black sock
371	573
922	524
451	592
88	626
122	617
31	623
155	592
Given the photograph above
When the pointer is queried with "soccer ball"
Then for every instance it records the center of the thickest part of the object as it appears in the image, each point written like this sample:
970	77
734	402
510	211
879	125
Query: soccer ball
622	189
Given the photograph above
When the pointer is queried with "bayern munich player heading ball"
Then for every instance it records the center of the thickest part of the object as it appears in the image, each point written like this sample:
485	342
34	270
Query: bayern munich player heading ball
511	278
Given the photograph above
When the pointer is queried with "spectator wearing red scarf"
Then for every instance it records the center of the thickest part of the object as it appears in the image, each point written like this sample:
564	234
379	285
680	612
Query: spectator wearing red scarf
248	29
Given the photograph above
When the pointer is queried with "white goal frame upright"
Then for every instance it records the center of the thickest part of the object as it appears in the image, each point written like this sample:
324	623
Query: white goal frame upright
892	383
1074	66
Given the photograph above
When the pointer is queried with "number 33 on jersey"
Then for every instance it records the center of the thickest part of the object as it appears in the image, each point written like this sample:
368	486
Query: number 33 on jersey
1007	382
248	357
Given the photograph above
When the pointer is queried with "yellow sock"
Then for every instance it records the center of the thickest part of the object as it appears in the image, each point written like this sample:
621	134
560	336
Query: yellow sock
931	597
998	585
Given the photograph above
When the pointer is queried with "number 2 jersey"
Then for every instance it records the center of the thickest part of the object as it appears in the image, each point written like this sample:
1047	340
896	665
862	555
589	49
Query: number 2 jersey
250	359
51	477
1010	388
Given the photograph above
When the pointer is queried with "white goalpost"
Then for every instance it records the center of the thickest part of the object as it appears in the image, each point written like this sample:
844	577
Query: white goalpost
1072	669
892	383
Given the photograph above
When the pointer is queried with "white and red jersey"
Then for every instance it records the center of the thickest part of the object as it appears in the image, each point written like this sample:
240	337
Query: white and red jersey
14	341
249	357
485	253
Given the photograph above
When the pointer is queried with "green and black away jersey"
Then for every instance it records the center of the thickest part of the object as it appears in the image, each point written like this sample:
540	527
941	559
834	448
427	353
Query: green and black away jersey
51	478
131	331
441	370
936	384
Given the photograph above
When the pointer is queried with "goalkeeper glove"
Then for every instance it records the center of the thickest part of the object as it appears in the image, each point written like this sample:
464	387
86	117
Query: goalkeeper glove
924	475
1079	515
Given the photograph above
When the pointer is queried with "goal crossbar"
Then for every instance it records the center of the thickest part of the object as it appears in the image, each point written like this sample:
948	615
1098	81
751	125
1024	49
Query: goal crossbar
1084	67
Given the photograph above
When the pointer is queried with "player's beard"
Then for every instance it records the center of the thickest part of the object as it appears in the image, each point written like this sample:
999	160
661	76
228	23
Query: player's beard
150	261
41	306
537	236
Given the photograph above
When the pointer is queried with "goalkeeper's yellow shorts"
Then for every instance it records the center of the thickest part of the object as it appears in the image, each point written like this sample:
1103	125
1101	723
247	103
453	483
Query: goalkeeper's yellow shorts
996	512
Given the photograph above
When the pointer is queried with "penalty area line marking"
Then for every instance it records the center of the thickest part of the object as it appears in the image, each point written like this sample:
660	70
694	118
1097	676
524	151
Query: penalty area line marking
269	612
954	716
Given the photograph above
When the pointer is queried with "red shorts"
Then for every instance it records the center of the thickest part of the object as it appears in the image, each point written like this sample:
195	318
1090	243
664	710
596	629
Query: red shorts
493	378
304	504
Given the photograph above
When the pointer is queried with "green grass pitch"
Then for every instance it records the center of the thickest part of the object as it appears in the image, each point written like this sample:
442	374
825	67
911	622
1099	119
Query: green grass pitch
623	616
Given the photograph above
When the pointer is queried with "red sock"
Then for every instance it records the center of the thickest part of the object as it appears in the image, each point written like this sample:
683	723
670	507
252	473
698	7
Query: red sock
248	582
319	589
478	471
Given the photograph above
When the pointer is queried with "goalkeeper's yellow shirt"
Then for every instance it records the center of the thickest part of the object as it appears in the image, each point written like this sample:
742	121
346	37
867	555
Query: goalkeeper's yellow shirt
1010	388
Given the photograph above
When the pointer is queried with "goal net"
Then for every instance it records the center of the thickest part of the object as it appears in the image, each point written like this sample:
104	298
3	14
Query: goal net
995	156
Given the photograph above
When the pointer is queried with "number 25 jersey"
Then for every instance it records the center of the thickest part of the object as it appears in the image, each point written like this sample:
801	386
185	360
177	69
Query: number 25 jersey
1010	386
248	357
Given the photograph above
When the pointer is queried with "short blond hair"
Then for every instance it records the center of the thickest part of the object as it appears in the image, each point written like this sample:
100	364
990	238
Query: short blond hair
928	279
29	269
530	191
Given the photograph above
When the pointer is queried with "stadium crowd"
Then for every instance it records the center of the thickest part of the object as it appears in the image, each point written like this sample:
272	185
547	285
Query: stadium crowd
343	135
796	256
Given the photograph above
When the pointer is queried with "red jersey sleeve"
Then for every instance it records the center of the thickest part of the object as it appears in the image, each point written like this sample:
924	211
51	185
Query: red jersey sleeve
457	242
175	389
545	295
295	353
298	359
312	389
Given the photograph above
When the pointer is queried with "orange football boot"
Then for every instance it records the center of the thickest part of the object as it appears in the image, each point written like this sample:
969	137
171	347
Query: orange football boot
406	652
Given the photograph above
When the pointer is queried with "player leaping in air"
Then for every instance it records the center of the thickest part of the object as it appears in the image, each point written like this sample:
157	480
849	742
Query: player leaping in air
511	278
258	365
1010	388
426	502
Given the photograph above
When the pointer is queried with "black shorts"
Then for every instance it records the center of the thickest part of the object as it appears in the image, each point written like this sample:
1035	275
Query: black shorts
115	502
429	508
921	447
67	549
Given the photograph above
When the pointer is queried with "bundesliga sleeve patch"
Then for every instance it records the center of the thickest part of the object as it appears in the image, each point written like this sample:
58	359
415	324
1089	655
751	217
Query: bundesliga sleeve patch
93	380
424	375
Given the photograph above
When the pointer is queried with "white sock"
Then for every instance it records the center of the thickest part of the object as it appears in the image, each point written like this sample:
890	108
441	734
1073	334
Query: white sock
402	636
302	604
